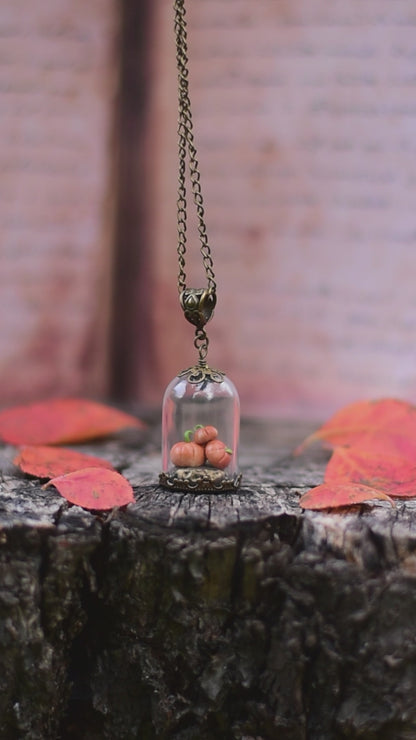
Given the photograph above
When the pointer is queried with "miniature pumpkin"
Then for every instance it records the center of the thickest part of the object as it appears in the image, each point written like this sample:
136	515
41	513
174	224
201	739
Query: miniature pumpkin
218	454
202	435
187	455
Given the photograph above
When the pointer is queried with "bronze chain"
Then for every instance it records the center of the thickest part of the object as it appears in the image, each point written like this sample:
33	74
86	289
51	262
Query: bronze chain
198	304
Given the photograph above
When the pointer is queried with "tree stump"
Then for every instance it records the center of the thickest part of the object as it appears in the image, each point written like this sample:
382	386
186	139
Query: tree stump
206	617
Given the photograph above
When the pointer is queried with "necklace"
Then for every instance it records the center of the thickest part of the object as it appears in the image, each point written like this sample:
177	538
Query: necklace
200	416
197	304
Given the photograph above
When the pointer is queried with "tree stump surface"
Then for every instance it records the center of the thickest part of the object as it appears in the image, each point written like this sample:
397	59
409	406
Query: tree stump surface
233	616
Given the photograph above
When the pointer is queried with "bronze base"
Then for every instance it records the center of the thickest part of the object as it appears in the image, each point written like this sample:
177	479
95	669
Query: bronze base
199	479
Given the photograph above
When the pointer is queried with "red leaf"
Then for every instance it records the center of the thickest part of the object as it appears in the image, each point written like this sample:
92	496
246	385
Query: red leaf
387	423
49	462
389	442
62	421
389	473
334	495
94	488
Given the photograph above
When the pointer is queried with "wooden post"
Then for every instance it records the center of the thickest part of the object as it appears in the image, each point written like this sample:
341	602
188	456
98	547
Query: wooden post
215	616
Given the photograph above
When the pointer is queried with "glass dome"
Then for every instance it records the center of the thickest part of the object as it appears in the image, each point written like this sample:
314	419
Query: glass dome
200	430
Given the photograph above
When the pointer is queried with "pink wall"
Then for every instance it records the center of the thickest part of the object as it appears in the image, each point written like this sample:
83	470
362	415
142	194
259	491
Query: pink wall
58	76
305	116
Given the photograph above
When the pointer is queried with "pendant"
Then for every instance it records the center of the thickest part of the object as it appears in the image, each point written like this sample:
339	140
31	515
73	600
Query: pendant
200	432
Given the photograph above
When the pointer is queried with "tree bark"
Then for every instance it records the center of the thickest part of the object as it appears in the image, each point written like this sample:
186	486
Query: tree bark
229	616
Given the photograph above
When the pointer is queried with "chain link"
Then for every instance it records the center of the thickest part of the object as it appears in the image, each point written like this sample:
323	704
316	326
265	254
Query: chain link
201	342
186	146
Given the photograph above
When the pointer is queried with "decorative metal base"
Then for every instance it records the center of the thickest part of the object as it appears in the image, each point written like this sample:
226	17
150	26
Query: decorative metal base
199	479
202	374
198	305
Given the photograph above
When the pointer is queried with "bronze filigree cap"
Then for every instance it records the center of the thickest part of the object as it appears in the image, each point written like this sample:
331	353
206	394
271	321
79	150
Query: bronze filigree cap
201	373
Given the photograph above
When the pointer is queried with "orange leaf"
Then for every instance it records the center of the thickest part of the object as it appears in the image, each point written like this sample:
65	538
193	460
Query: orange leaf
390	442
62	421
48	462
384	424
94	488
334	495
389	473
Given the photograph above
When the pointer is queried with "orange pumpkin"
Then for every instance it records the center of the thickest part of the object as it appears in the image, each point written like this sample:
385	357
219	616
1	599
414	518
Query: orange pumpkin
202	435
218	454
187	455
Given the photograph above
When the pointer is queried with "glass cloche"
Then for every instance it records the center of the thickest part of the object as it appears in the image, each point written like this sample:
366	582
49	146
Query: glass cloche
200	430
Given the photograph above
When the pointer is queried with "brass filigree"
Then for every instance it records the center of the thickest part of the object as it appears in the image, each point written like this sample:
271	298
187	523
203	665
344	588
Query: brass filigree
202	374
195	480
198	305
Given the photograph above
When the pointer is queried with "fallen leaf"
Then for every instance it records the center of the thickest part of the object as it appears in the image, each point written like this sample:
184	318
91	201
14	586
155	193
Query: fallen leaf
391	442
374	425
62	421
94	488
49	462
388	473
335	495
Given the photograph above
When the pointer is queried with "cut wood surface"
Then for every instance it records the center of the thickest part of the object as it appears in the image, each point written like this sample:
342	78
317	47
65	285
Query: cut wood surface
213	617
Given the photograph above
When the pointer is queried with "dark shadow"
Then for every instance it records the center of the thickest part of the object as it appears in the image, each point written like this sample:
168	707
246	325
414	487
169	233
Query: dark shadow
131	262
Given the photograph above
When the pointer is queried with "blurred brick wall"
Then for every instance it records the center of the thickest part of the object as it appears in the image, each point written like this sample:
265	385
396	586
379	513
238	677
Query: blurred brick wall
305	118
304	113
58	82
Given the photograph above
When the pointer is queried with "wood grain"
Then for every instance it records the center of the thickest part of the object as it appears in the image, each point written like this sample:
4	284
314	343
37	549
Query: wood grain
206	616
